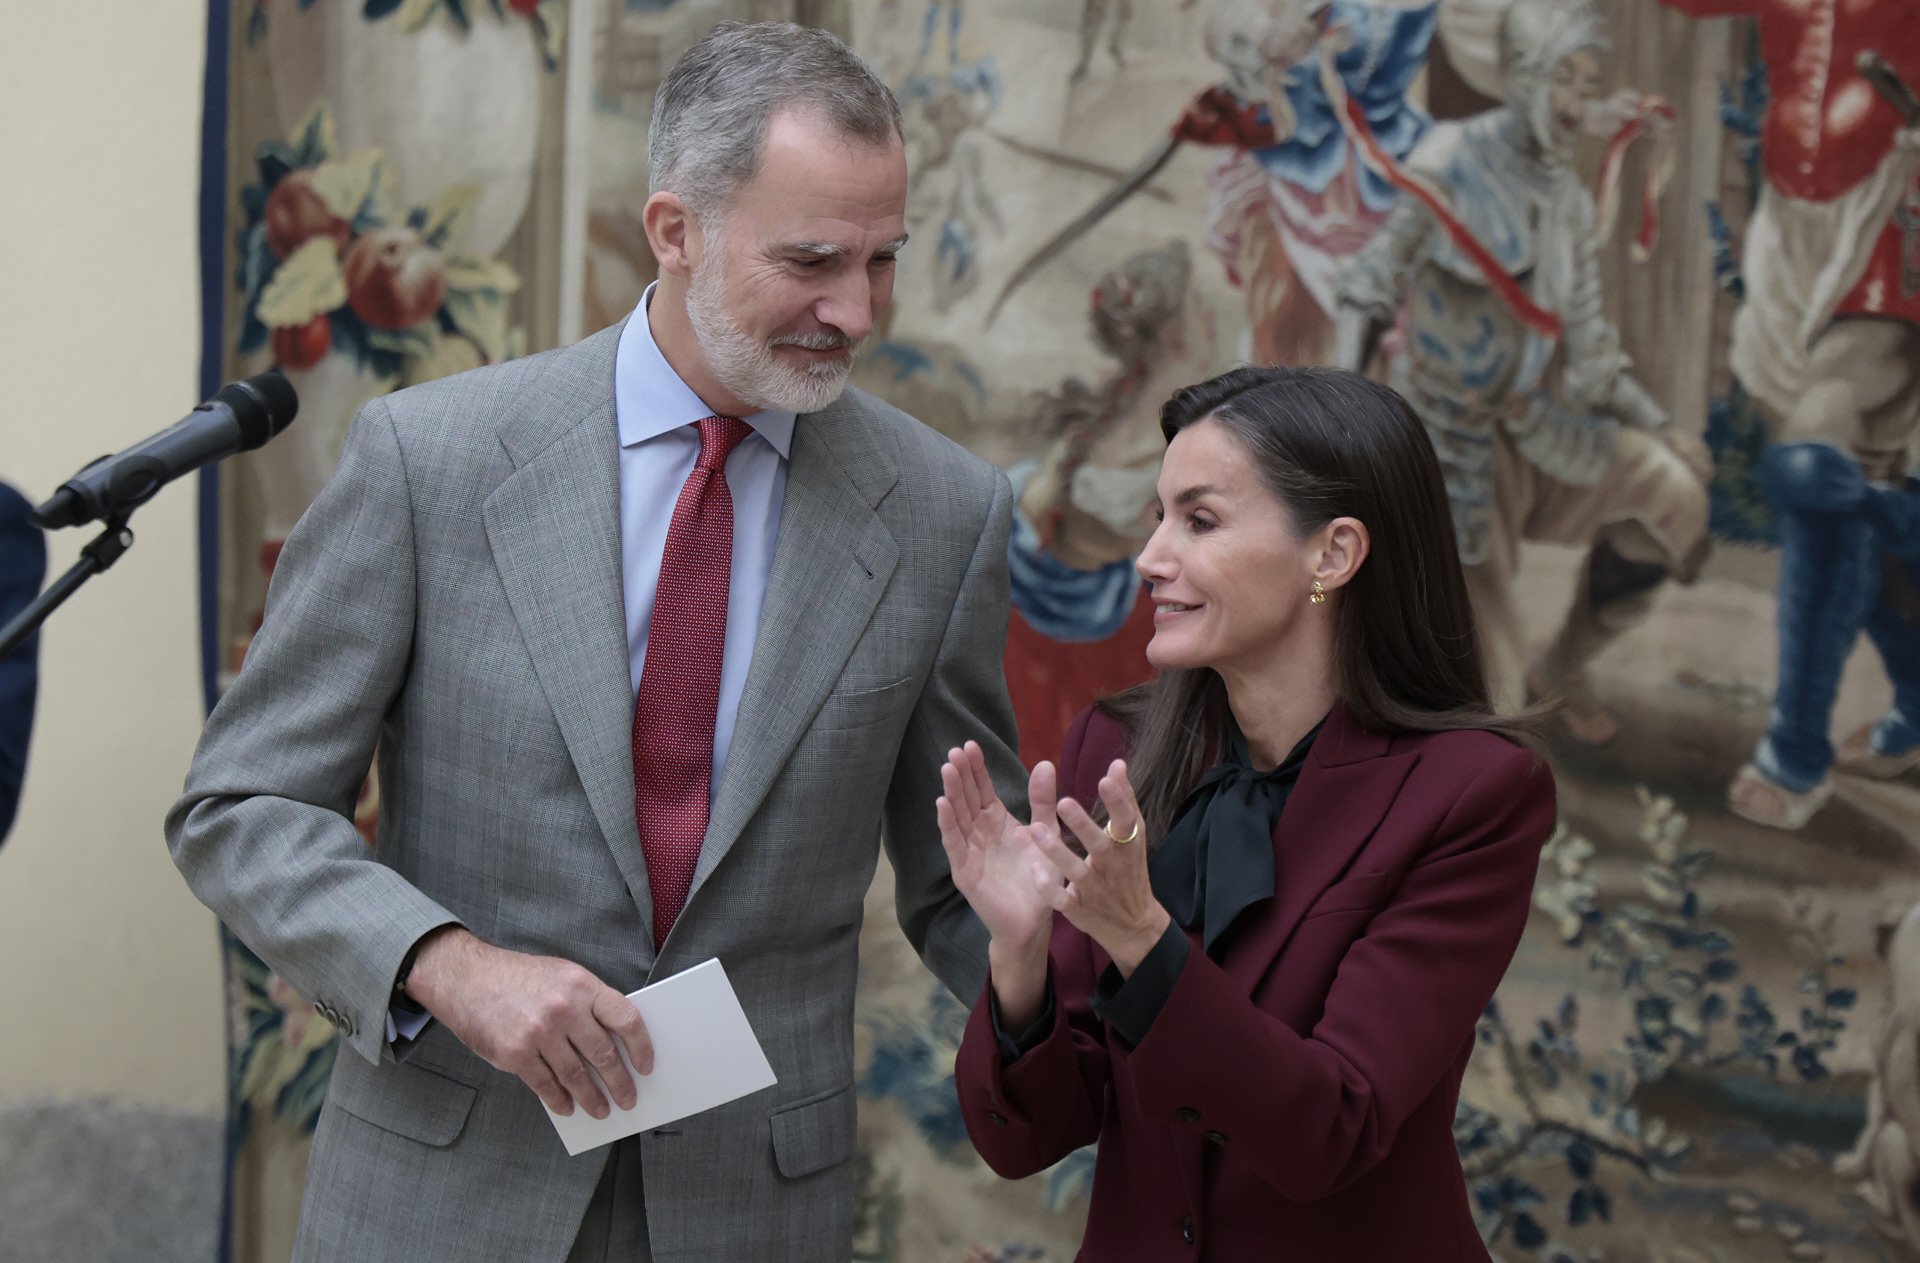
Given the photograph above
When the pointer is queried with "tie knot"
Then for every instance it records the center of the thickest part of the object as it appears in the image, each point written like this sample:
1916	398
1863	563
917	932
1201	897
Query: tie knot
718	437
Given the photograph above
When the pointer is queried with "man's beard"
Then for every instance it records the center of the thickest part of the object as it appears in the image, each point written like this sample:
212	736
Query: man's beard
748	367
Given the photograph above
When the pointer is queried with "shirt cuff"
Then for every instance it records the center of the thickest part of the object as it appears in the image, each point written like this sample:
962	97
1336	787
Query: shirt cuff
1129	1005
1013	1047
404	1025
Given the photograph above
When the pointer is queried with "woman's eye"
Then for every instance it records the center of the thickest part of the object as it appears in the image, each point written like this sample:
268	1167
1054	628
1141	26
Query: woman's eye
1198	523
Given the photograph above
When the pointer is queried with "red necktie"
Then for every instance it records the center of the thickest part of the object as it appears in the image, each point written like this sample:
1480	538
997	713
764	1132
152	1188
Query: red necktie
680	679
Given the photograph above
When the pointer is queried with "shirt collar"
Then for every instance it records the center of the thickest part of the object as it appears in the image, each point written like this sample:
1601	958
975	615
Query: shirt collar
650	399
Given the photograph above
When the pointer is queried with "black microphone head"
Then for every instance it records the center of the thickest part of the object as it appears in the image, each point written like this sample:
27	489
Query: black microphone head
263	404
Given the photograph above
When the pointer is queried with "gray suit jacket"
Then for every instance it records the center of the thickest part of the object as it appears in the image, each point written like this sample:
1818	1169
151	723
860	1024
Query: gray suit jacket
454	596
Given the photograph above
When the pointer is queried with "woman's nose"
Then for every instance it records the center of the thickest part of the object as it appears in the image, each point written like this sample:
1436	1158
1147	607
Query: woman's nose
1154	564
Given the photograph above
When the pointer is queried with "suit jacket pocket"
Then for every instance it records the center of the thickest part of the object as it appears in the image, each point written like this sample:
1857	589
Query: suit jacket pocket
404	1098
815	1133
859	707
1366	893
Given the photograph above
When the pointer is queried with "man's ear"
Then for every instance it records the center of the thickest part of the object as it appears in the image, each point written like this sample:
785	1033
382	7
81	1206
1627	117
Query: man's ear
672	232
1344	544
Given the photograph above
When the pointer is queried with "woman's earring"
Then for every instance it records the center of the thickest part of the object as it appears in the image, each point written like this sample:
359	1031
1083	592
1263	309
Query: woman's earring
1319	596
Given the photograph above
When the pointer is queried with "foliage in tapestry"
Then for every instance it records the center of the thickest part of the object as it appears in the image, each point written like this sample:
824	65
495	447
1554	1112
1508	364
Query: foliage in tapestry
328	265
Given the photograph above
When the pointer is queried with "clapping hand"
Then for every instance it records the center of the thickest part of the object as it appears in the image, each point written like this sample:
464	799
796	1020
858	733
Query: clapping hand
1104	893
991	853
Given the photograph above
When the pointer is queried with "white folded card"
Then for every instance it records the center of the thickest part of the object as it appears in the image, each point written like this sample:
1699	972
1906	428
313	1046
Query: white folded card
704	1054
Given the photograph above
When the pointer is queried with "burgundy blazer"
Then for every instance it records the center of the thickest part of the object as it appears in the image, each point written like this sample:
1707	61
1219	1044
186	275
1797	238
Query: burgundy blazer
1294	1100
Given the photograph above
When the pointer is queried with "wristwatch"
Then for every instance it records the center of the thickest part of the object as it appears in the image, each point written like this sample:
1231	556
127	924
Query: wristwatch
401	1000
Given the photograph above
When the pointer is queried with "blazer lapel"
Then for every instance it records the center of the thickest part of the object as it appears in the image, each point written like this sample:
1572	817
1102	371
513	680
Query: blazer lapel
554	528
1349	782
833	561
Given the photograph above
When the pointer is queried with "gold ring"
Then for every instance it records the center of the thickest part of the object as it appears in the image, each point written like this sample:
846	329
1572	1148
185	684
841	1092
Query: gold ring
1129	838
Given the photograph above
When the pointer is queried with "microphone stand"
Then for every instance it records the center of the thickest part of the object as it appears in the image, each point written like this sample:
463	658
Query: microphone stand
96	557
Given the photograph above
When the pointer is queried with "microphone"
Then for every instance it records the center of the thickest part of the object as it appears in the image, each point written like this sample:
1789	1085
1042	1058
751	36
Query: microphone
244	415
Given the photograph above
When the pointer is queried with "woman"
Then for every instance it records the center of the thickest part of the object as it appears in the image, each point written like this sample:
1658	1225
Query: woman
1254	981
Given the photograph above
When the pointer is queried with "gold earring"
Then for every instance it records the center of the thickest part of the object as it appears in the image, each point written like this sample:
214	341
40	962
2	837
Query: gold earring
1319	596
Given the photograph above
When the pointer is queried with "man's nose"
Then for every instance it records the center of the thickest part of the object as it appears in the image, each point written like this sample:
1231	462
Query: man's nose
848	305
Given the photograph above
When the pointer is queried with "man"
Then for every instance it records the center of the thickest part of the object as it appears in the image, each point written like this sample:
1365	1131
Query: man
23	564
1828	340
1528	426
650	660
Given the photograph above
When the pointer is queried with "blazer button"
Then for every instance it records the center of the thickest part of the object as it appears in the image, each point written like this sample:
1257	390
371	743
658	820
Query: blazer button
996	1118
1187	1115
1186	1230
1216	1138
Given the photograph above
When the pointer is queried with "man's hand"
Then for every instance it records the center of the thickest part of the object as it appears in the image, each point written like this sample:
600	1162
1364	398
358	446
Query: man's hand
540	1018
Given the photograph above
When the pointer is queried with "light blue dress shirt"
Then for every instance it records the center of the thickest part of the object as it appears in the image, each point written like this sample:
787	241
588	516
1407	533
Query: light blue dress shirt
658	449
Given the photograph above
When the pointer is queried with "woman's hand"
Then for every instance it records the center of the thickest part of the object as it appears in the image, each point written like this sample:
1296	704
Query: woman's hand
991	853
1105	894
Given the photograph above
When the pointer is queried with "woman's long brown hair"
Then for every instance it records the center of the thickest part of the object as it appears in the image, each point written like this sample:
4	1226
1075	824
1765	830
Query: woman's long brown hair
1406	658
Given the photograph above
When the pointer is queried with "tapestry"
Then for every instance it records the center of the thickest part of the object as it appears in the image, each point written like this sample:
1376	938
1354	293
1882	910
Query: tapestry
1706	1049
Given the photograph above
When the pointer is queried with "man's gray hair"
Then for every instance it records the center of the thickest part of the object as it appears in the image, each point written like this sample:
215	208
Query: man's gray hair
711	114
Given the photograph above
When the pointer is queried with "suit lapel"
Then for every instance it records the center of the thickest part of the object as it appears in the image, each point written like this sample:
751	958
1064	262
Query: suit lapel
1349	782
554	528
833	561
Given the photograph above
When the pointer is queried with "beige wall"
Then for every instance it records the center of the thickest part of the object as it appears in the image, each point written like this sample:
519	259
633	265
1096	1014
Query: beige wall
109	971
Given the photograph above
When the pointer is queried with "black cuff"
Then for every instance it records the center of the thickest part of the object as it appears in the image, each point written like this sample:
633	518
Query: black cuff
1129	1005
1013	1047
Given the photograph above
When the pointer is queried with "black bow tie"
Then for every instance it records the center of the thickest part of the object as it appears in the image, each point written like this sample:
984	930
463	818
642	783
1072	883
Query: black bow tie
1217	860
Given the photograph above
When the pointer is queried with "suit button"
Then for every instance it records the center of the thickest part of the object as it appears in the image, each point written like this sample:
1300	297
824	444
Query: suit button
1216	1138
1187	1115
346	1026
1186	1230
320	1008
996	1118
